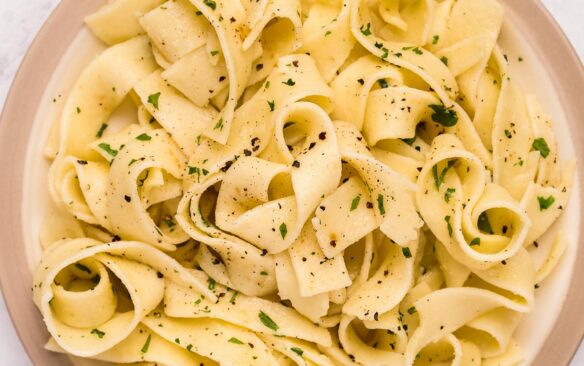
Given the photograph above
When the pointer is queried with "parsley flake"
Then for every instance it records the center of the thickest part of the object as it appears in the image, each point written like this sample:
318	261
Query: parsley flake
272	105
289	82
541	145
475	241
484	225
98	333
447	219
297	350
234	340
267	321
219	124
406	252
545	203
108	149
101	130
144	137
439	179
355	202
210	3
380	204
366	31
147	344
283	230
448	194
153	99
445	116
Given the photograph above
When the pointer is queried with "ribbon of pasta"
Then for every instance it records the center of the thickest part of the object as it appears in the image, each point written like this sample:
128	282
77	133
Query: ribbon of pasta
72	276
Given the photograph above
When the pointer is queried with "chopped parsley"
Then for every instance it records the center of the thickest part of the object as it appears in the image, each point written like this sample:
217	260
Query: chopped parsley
412	310
444	60
435	39
234	340
232	300
382	83
409	141
108	149
406	252
289	82
508	134
297	350
415	50
211	284
445	116
366	31
98	333
541	145
545	203
214	53
448	194
267	321
147	344
219	124
484	225
380	204
144	137
283	230
355	202
475	241
153	99
272	105
447	219
439	179
210	3
101	130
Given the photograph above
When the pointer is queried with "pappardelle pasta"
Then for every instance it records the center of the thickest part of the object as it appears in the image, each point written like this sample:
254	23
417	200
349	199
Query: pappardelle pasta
304	182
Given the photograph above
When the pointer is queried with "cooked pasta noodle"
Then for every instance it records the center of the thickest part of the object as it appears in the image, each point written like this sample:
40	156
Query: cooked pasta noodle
307	182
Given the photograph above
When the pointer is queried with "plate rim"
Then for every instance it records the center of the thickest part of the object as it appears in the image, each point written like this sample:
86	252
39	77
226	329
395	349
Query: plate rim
53	39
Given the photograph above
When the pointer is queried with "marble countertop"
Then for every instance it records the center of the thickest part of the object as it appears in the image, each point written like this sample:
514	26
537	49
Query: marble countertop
21	20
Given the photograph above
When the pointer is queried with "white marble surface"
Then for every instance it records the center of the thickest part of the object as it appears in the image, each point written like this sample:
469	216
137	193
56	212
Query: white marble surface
20	21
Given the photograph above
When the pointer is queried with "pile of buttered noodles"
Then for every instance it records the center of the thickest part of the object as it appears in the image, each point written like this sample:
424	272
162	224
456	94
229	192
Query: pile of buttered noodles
306	182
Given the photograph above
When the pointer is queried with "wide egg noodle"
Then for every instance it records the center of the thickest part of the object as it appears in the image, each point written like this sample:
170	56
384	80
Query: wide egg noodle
61	290
241	259
118	21
326	35
273	95
130	350
183	302
453	193
99	90
277	223
127	208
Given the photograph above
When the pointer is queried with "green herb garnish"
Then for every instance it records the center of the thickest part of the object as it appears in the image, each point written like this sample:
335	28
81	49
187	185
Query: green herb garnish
545	203
153	99
380	204
355	202
541	145
445	116
144	137
267	321
283	230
